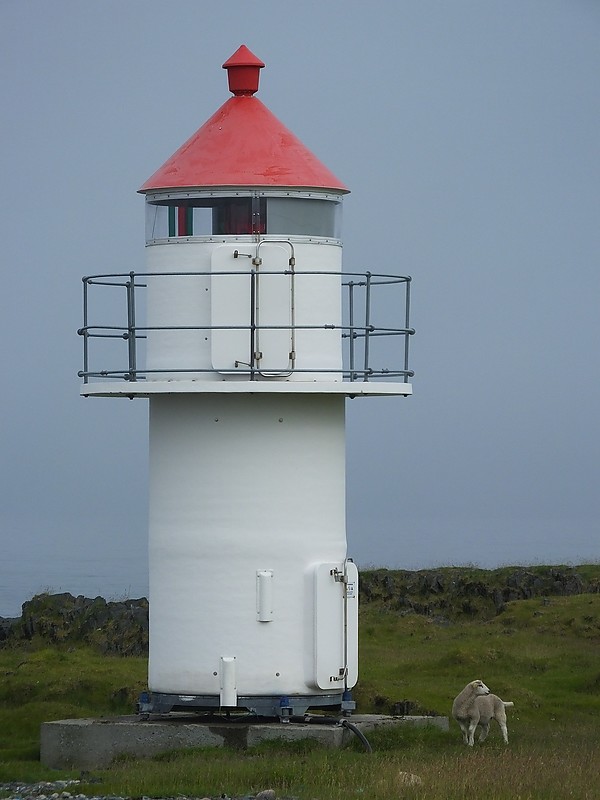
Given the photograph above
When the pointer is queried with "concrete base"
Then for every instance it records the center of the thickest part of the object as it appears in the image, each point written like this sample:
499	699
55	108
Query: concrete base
94	743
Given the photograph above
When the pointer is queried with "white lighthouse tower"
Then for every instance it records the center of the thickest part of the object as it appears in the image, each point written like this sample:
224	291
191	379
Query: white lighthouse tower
247	353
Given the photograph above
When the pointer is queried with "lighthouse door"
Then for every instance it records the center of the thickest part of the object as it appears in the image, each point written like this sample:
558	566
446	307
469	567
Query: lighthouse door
251	302
274	311
336	625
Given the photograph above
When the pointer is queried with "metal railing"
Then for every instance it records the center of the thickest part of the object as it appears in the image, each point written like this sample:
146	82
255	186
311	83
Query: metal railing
366	298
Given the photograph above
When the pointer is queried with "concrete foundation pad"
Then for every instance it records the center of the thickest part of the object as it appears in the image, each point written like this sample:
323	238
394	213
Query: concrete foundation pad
94	743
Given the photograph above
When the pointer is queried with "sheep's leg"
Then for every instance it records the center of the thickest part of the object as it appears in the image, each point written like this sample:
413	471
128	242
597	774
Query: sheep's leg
465	731
501	720
471	736
504	729
485	729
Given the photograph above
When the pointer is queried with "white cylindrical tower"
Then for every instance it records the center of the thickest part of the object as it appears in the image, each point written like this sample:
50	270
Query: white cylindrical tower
253	601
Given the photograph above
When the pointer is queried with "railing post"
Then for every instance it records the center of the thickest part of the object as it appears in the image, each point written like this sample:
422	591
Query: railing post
367	324
252	322
84	331
407	327
131	340
351	325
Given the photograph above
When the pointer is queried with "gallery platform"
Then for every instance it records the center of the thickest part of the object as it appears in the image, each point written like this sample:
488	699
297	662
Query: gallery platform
94	743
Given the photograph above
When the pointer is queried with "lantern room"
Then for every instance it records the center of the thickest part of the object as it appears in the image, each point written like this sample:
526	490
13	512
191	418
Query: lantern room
173	215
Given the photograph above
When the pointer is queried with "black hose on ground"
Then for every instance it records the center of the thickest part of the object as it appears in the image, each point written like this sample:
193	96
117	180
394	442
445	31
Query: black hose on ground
308	719
356	730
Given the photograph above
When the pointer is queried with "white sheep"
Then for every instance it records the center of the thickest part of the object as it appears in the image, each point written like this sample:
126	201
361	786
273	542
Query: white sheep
474	706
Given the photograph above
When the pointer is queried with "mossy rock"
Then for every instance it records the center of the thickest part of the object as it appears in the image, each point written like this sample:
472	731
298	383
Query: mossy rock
117	628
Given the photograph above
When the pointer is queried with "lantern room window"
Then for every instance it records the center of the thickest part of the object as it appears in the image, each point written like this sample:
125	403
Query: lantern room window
173	218
239	216
304	217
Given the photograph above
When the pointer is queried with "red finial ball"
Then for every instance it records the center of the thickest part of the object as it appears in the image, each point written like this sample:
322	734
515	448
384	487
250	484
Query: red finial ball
243	70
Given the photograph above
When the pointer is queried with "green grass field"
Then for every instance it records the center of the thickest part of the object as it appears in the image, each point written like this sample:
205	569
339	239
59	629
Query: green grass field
543	654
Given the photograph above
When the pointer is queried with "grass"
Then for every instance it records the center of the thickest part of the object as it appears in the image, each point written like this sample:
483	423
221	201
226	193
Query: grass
39	684
541	653
555	765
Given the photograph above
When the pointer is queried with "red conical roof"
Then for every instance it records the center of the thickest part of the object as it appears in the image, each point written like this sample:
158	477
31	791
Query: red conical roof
243	144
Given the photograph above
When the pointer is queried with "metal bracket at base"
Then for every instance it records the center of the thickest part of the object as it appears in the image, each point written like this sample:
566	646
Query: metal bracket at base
272	706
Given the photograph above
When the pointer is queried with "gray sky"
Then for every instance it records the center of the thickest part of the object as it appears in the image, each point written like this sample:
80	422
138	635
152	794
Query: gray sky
468	132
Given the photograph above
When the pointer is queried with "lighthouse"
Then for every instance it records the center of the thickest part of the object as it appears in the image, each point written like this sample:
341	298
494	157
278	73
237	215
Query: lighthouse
246	337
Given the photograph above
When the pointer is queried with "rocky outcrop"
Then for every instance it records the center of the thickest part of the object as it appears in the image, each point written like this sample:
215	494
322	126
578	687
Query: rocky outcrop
455	592
116	628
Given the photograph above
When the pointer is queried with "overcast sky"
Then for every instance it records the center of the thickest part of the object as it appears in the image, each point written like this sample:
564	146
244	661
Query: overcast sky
468	133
